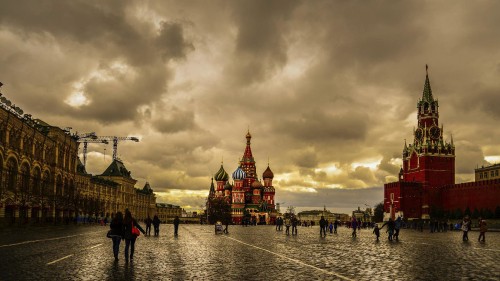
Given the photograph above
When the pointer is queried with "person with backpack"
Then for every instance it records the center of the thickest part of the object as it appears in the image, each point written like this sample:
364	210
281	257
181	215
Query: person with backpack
130	233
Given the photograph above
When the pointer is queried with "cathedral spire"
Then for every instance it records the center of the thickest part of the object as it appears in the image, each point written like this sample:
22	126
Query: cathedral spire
212	189
427	93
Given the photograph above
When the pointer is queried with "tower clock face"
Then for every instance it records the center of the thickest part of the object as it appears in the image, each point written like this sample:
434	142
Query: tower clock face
418	135
435	132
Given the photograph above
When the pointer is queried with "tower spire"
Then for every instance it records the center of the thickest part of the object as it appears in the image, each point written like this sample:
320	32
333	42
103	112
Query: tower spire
427	93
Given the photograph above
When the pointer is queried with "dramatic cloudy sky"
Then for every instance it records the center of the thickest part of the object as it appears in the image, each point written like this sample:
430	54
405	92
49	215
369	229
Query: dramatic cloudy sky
327	88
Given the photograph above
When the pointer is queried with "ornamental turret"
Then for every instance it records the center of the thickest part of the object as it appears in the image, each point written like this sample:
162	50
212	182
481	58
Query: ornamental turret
247	163
268	176
221	177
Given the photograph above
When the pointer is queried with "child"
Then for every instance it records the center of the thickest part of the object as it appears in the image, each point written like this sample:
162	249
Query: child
376	230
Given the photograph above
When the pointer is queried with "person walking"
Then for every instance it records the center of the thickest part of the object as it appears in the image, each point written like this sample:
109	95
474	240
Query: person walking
354	226
294	225
176	225
483	227
390	228
148	222
116	232
287	226
335	225
331	227
465	228
226	223
156	225
128	224
397	226
322	227
376	231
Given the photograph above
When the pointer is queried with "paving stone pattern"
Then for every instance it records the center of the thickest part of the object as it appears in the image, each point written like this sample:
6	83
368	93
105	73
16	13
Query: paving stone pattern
246	253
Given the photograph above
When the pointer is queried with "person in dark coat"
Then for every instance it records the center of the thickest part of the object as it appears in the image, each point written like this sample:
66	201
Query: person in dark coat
176	225
128	223
390	228
376	231
156	225
295	222
148	222
322	226
354	226
116	233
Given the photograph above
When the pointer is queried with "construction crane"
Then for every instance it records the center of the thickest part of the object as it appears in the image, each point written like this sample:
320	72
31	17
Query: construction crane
115	142
85	144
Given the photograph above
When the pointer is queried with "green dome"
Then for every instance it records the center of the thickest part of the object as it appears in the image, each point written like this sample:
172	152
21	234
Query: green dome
221	175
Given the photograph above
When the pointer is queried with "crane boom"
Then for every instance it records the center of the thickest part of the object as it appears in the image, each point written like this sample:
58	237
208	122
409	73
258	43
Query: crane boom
85	144
115	140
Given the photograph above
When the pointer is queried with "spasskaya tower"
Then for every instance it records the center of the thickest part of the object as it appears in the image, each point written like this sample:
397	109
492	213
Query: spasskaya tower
430	159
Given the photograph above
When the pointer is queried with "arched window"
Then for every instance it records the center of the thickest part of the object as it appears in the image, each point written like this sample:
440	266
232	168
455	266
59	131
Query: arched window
59	186
37	182
12	174
2	186
46	184
25	178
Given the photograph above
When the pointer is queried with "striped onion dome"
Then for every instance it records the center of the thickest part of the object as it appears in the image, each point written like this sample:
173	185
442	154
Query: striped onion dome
221	175
228	186
239	174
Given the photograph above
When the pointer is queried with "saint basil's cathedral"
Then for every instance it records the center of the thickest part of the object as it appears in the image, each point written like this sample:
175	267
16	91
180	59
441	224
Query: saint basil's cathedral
246	195
426	183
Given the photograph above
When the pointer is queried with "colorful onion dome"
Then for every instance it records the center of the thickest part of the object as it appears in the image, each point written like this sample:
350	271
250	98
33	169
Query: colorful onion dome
256	184
221	175
228	186
268	174
239	174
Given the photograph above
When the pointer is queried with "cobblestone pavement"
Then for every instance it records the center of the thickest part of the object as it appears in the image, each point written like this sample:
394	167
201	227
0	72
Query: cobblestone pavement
246	253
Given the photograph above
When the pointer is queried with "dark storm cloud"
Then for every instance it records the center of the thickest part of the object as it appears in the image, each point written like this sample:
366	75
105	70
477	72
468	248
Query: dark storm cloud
171	41
174	121
105	33
261	48
305	158
322	127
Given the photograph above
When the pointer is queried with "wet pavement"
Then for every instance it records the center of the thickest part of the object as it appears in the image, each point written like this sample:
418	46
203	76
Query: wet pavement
246	253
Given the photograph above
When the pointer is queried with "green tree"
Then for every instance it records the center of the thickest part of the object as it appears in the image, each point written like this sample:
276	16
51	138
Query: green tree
475	213
218	210
378	212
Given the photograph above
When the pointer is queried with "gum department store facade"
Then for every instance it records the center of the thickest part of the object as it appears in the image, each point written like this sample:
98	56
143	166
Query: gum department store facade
43	180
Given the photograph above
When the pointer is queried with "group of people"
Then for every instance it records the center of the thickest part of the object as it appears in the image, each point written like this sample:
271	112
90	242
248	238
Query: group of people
293	222
323	225
156	224
125	227
467	225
